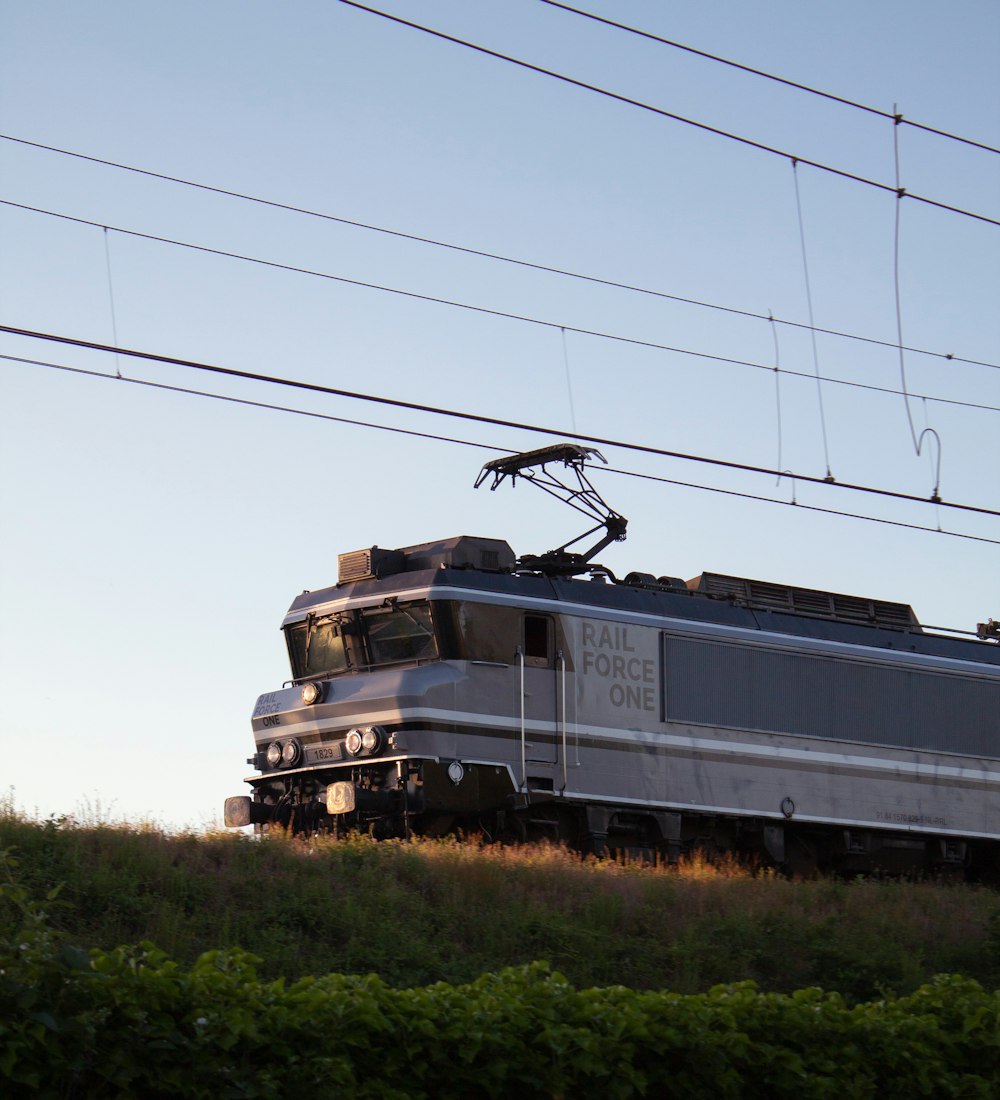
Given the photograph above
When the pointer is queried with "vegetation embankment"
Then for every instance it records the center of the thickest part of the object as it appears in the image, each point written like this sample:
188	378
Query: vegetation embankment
133	1025
430	911
435	1009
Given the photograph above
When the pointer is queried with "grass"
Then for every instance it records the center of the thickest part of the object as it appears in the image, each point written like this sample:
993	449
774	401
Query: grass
441	910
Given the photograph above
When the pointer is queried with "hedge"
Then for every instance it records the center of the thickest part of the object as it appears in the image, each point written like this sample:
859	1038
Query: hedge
133	1023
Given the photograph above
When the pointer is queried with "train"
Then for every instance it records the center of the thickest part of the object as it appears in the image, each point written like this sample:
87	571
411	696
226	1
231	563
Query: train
453	686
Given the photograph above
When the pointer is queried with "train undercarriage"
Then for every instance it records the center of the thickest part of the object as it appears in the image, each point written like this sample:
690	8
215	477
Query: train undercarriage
386	806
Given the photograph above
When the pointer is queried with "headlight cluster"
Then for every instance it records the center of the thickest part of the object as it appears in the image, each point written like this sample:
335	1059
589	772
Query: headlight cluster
283	754
366	740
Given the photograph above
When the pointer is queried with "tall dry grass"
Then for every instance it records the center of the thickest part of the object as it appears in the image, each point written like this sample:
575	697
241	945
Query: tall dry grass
430	910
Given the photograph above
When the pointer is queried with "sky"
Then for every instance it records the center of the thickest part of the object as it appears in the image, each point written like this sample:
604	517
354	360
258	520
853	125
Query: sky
153	539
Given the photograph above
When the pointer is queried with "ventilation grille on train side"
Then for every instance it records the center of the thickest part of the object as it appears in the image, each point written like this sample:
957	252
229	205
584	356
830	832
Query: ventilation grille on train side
806	601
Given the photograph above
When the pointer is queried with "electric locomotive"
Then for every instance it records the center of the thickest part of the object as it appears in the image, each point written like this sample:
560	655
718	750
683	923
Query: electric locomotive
455	686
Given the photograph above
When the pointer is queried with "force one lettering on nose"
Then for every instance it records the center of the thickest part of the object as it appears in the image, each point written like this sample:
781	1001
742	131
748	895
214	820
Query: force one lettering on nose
609	655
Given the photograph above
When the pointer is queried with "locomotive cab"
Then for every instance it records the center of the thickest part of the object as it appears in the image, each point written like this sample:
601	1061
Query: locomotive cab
354	739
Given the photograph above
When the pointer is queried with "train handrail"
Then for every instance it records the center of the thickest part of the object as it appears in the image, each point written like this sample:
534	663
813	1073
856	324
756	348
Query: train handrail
524	758
561	658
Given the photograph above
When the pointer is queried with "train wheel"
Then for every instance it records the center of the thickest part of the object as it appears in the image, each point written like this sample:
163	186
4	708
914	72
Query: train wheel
802	859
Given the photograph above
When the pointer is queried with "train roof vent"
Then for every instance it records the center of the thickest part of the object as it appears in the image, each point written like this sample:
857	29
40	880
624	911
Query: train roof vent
461	552
813	603
362	565
767	596
895	614
853	608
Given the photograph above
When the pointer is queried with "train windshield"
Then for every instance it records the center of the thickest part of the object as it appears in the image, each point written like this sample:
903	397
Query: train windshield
399	633
325	645
317	646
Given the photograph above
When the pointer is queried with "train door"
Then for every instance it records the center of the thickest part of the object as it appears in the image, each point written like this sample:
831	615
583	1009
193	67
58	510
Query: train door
539	704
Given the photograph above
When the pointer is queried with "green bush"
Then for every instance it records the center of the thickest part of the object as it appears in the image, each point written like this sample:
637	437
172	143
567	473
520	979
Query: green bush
132	1023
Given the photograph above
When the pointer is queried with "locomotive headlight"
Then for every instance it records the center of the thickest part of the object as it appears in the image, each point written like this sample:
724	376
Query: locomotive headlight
353	742
274	754
371	739
290	753
312	693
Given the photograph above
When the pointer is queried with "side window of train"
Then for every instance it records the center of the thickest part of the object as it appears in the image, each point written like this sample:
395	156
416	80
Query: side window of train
537	642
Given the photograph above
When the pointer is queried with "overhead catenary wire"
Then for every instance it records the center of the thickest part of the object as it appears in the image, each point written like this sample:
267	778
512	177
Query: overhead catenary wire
232	399
111	296
569	379
437	410
491	447
524	318
777	395
274	204
928	432
842	100
800	505
671	115
809	301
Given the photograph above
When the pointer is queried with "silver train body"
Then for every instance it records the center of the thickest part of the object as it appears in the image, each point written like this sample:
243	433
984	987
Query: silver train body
438	687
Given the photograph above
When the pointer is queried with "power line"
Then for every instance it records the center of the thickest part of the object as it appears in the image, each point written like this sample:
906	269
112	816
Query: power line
437	410
256	404
896	119
796	504
729	361
493	448
815	350
928	432
464	249
661	112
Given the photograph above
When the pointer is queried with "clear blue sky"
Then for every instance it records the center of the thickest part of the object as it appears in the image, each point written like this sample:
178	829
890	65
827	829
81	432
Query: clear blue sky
152	540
